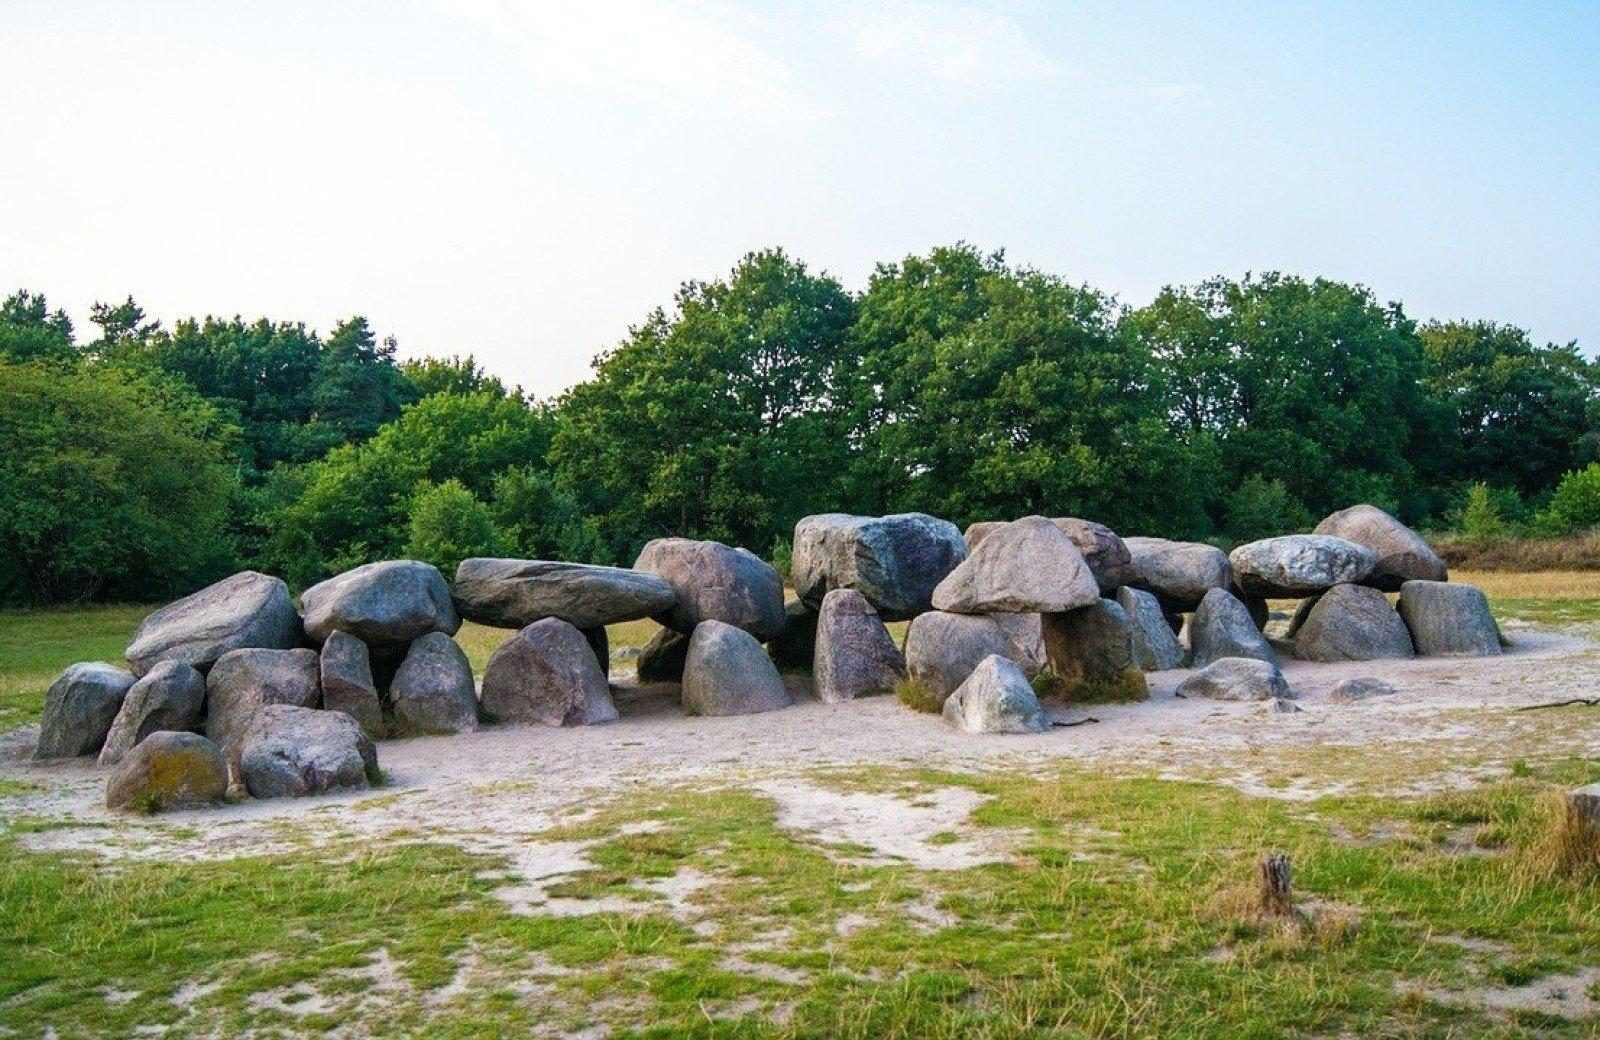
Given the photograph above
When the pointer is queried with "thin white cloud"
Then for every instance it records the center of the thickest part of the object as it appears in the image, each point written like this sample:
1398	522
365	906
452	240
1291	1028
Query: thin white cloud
699	53
962	44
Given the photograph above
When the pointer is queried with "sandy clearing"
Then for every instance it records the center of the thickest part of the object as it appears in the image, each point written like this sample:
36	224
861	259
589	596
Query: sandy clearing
497	790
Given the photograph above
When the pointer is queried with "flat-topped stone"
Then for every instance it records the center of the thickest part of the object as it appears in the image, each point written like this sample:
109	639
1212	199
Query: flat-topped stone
1448	619
393	601
516	593
246	610
894	561
1299	565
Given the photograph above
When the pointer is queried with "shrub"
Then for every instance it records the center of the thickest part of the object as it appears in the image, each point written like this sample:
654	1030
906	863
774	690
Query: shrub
916	695
1575	506
782	558
1261	508
449	524
1480	519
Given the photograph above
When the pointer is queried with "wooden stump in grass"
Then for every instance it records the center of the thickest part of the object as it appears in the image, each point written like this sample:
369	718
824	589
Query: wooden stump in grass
1276	875
1582	827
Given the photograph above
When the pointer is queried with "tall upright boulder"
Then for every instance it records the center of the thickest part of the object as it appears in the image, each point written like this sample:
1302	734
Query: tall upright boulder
390	602
1028	566
1222	627
1299	565
80	708
1352	623
1448	619
170	696
243	681
854	654
547	675
715	582
432	691
894	561
1155	644
1179	574
345	667
1090	650
247	610
942	649
1402	554
516	593
728	673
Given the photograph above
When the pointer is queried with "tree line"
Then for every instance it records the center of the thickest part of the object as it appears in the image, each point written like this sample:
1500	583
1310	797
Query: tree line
144	460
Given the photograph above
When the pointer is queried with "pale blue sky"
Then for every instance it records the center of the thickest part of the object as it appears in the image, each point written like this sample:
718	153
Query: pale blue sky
523	180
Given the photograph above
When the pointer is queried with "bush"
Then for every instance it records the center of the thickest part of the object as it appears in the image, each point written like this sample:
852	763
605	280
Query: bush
781	557
1261	508
449	524
110	485
1481	519
1575	506
916	695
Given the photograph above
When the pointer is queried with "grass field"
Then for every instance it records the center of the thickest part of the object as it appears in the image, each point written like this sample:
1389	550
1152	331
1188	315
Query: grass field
1123	910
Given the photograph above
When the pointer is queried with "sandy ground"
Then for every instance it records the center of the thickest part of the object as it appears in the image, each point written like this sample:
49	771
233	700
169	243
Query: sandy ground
497	789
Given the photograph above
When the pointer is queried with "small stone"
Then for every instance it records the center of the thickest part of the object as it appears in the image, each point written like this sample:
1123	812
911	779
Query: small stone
168	770
1237	679
170	696
80	708
728	673
1351	691
855	656
995	698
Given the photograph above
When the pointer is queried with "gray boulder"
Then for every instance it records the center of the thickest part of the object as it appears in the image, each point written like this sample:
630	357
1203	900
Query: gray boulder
995	698
393	601
1352	623
854	655
728	673
943	649
714	582
1222	627
242	681
796	645
1028	566
170	696
80	708
246	610
547	675
516	593
1025	634
1155	644
347	684
662	658
1448	620
1178	573
1402	554
1351	691
433	692
1105	553
894	561
289	751
1299	565
1090	650
1237	679
168	770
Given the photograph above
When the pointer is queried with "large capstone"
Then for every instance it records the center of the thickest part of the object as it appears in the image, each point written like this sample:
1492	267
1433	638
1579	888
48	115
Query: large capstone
714	582
1028	566
1299	565
547	675
1178	573
1402	554
390	602
168	770
347	683
1222	627
433	691
246	610
1448	620
1237	679
995	698
1090	650
516	593
1105	553
943	649
1155	644
1352	623
854	654
170	696
728	673
289	751
242	681
80	708
894	561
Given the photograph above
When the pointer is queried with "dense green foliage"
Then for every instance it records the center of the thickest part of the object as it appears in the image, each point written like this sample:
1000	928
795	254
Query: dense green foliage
954	383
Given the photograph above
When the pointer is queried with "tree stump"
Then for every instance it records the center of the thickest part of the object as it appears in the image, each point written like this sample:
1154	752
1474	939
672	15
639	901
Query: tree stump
1277	885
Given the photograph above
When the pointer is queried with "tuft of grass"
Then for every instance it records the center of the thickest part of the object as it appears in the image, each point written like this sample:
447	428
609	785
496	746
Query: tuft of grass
917	696
1568	844
1126	688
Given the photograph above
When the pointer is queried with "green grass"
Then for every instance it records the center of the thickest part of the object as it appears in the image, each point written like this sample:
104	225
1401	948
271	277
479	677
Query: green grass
35	645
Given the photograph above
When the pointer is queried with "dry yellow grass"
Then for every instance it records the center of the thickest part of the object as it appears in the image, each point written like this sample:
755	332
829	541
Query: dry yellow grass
1533	585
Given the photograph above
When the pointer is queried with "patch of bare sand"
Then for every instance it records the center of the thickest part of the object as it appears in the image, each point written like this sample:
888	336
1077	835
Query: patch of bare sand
1561	996
498	790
